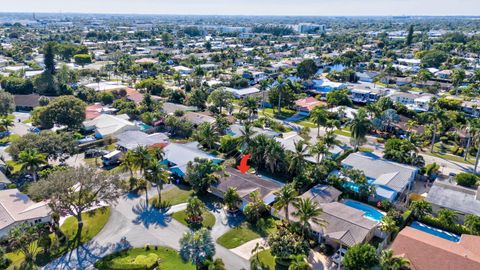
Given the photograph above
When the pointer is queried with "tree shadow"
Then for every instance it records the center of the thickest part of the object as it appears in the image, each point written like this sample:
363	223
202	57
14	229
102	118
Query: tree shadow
85	255
148	215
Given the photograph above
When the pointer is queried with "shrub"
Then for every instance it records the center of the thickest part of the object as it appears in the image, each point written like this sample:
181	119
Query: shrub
453	228
466	179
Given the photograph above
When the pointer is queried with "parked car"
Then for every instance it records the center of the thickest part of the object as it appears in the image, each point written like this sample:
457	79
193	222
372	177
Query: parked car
93	153
339	255
112	158
87	139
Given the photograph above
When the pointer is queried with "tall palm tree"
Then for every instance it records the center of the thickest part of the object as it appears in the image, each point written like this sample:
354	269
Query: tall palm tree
298	156
359	127
158	174
207	135
128	162
284	197
308	212
436	118
281	87
472	128
320	117
390	262
273	155
255	262
246	137
319	149
330	139
31	160
251	105
143	158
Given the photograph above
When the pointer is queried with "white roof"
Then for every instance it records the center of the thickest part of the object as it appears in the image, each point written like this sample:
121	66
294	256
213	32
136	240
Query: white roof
107	124
16	207
242	92
106	86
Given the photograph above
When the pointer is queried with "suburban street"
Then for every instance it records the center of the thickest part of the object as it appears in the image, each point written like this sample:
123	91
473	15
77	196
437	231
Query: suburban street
133	224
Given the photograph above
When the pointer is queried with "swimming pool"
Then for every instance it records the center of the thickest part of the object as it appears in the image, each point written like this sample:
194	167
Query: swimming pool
370	212
434	231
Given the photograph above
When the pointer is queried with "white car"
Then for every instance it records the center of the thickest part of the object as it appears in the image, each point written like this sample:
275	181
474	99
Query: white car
339	255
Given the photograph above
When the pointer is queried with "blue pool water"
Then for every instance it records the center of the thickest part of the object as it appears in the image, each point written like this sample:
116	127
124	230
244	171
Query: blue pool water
434	231
354	186
144	126
370	212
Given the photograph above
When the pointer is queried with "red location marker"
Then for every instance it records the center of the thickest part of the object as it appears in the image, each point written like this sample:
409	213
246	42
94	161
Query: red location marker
243	167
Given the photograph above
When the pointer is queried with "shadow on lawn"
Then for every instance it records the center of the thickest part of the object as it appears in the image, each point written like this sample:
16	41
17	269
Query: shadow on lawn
148	215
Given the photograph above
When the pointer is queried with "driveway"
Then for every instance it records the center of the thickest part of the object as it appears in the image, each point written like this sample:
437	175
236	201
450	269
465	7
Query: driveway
134	224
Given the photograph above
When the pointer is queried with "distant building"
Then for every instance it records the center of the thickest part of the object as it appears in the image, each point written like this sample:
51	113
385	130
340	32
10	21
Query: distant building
306	28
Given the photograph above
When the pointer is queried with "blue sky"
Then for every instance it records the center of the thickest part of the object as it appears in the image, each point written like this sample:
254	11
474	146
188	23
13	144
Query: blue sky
250	7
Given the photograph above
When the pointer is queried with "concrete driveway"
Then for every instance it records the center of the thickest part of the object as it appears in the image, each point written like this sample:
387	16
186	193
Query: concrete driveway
134	224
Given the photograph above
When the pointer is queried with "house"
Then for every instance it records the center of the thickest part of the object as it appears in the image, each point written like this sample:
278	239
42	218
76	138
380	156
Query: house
288	141
106	86
241	93
366	94
305	105
17	208
171	108
245	184
26	102
343	112
236	131
344	225
108	125
404	98
134	95
132	139
422	103
197	118
392	180
183	70
462	200
325	85
177	156
471	108
366	76
426	251
94	110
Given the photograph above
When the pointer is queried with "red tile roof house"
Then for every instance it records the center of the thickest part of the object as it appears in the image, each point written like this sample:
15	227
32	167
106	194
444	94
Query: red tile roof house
306	105
429	252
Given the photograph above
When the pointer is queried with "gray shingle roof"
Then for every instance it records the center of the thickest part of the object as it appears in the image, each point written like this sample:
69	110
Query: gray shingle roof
455	197
387	173
181	154
133	138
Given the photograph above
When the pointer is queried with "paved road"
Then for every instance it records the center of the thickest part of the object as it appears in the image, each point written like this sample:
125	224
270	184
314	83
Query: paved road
133	224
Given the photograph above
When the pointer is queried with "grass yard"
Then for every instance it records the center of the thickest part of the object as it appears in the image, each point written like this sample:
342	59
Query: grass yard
208	218
246	232
16	167
267	261
176	195
93	223
141	258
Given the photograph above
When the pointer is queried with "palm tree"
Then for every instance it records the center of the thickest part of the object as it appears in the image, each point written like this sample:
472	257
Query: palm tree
299	262
128	162
158	174
281	86
388	225
194	210
232	199
273	155
330	140
308	212
359	127
298	157
251	105
410	125
6	122
245	139
284	197
319	116
436	118
31	160
390	262
447	216
143	158
420	208
207	135
472	128
319	149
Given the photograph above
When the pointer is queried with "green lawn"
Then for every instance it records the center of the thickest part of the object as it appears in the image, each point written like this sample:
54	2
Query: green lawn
267	261
94	221
140	258
208	218
246	232
176	195
16	167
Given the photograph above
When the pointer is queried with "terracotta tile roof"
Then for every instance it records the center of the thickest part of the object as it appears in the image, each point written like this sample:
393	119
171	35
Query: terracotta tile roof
427	252
308	103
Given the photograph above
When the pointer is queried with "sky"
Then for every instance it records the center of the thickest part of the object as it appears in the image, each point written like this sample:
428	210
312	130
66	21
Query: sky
251	7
